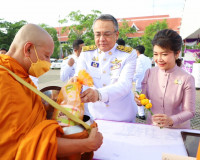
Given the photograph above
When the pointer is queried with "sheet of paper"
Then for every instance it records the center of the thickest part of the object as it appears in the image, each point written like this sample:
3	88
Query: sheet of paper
128	141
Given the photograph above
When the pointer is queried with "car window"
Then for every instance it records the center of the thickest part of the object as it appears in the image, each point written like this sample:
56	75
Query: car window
60	60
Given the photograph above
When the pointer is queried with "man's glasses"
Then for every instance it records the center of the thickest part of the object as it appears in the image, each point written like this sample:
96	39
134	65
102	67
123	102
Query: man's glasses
105	34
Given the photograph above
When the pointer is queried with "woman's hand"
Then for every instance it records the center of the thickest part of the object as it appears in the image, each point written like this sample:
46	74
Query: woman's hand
162	120
137	99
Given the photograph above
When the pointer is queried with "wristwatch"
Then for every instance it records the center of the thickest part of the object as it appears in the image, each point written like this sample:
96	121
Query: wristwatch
99	94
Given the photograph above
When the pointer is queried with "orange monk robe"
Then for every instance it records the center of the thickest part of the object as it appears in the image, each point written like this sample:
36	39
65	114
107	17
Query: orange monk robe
198	152
24	131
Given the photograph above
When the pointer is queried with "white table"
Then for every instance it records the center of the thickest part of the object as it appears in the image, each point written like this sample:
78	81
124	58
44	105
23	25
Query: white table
131	141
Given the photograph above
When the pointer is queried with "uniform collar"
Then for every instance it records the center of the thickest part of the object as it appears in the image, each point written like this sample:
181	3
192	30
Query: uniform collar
110	51
170	70
74	55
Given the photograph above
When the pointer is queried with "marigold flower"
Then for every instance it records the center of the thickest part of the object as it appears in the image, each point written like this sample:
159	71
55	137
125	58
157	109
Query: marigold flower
142	96
148	106
144	101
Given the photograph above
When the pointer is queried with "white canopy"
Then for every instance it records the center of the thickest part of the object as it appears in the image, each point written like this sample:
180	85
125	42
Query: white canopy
190	27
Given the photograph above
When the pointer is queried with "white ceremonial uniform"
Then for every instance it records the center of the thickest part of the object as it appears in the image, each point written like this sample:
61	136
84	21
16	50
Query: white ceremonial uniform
143	63
66	71
112	73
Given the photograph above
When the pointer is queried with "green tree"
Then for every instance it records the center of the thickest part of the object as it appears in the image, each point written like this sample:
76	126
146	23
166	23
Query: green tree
124	31
81	28
149	33
52	31
8	31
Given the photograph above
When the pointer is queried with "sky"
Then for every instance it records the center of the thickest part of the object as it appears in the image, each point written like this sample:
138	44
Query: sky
50	11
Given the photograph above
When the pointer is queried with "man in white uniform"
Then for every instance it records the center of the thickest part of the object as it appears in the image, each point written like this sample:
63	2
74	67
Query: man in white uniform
143	63
68	65
112	68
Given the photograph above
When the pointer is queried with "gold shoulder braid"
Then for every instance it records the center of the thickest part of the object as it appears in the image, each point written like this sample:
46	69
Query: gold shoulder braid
124	48
89	48
65	58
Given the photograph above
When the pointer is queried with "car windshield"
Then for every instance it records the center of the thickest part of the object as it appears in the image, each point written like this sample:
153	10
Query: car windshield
60	60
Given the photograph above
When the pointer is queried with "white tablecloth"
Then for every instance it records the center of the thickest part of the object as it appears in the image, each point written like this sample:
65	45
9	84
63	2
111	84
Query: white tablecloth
130	141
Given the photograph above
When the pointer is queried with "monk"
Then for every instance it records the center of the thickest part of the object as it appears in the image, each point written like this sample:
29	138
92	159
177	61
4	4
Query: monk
24	131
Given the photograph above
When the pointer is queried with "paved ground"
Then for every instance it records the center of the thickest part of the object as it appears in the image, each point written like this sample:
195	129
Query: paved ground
52	78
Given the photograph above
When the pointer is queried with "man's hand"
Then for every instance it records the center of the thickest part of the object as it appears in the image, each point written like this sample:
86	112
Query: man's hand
162	120
89	95
73	79
71	62
95	140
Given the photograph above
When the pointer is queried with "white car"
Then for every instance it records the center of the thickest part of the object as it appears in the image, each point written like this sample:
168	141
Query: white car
52	60
56	64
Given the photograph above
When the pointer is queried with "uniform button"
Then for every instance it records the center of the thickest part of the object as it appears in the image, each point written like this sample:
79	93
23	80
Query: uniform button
166	74
110	53
104	85
104	59
104	71
163	86
107	105
99	52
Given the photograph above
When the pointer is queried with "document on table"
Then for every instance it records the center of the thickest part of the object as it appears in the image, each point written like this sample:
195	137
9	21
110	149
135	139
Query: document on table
128	141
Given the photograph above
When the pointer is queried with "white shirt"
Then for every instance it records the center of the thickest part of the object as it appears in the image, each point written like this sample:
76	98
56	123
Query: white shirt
35	80
67	71
143	63
112	74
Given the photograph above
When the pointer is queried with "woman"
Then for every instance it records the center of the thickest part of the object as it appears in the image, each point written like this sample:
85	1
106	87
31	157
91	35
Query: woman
170	89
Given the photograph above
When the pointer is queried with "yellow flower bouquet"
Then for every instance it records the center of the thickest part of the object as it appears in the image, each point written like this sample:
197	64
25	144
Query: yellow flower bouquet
145	102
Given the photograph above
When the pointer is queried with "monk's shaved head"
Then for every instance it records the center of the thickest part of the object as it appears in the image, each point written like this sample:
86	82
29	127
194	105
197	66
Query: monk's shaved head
28	36
32	33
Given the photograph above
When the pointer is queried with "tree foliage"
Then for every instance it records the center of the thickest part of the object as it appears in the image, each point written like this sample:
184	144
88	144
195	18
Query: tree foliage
125	29
52	31
81	27
8	31
149	34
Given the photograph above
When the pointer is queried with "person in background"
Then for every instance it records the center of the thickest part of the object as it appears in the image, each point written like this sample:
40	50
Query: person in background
120	41
68	65
35	80
170	89
25	132
111	67
3	51
143	63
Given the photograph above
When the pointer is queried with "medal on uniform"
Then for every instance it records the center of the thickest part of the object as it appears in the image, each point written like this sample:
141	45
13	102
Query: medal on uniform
115	64
96	59
94	64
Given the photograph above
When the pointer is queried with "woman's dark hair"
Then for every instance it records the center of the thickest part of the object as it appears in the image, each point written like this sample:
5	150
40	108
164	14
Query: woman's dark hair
168	39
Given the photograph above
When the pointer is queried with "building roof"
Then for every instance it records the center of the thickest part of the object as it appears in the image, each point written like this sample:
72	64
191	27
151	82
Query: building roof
140	23
62	36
